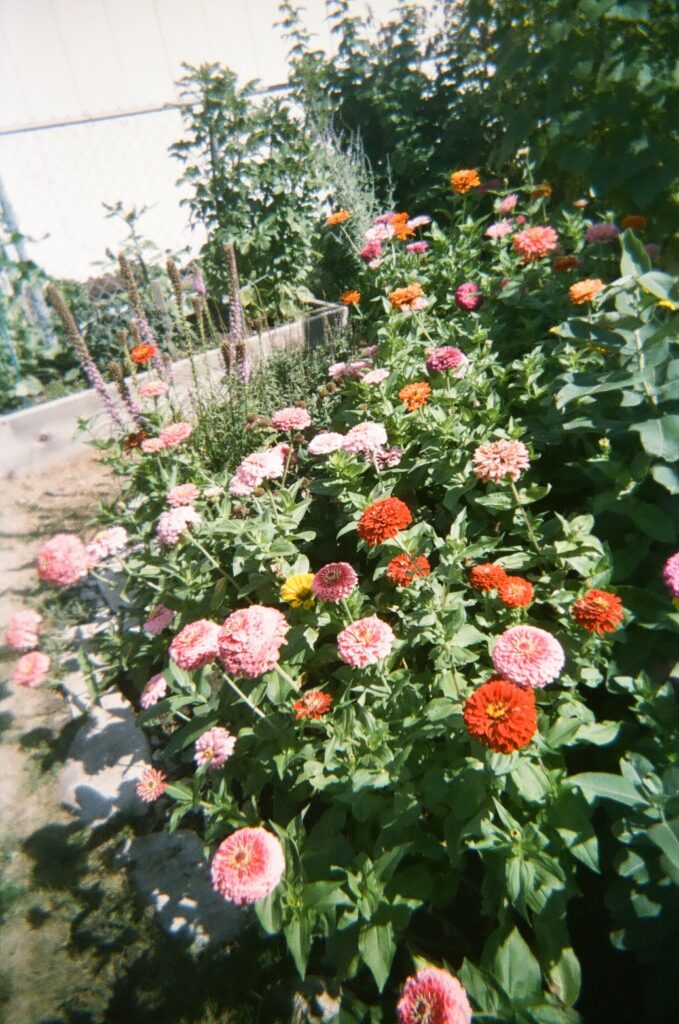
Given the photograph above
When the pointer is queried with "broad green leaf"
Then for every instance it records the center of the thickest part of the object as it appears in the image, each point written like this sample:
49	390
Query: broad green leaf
635	260
606	786
298	937
665	835
510	961
660	436
377	947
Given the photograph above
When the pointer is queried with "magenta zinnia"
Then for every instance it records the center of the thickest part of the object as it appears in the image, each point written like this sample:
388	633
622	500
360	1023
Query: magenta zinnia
248	865
528	656
433	996
670	574
334	581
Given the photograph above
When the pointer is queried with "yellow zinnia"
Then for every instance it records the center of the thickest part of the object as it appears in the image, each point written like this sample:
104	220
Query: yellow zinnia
297	590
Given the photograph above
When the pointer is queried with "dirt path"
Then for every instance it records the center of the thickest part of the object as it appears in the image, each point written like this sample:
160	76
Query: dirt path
36	971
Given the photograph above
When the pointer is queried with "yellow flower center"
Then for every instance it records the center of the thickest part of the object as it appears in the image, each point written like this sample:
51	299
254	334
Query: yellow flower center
497	709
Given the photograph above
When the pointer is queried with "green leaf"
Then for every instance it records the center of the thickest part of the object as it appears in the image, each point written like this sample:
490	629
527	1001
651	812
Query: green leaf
665	835
635	260
377	947
660	437
268	911
483	989
606	786
510	961
298	937
667	477
663	286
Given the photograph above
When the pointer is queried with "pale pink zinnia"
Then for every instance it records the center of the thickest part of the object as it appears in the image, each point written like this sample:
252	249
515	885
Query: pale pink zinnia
214	747
670	574
528	656
365	642
195	645
31	669
152	445
433	996
63	560
256	468
499	230
325	443
508	204
153	389
376	376
291	418
176	521
603	233
499	460
420	221
334	581
250	640
182	494
534	243
365	437
155	690
174	434
107	543
22	631
352	371
446	358
151	785
248	865
159	619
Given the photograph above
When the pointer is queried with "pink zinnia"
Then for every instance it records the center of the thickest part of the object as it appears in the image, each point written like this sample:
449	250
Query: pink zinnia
433	996
386	458
255	469
365	437
420	221
173	523
107	543
418	248
334	581
152	445
325	443
214	747
250	640
182	494
248	865
63	560
31	669
507	204
153	389
534	243
159	619
372	250
365	642
468	297
379	233
500	229
603	233
446	358
376	376
528	656
353	371
174	434
670	574
22	631
151	785
195	645
500	459
291	418
155	690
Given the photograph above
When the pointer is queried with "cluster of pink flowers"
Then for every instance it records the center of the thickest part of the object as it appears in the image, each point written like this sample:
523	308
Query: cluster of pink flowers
107	543
670	574
175	522
325	443
499	460
508	204
153	389
535	243
155	690
159	619
468	297
182	494
365	437
63	560
602	233
500	229
214	747
291	418
248	865
528	656
250	640
365	642
433	996
258	467
334	581
350	371
417	248
371	253
169	437
22	631
439	360
195	645
31	669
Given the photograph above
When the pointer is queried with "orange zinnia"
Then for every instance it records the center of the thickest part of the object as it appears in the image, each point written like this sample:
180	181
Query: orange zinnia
351	297
584	291
515	591
403	569
399	223
635	221
383	520
143	353
338	218
404	296
598	612
463	181
544	188
487	577
415	395
501	715
313	704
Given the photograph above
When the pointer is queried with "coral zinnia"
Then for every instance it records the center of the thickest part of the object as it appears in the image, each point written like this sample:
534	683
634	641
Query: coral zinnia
195	645
313	704
462	181
403	569
598	611
298	591
334	581
174	434
62	560
338	218
499	459
151	785
351	297
382	520
365	642
534	243
22	631
248	865
143	353
501	715
250	640
415	395
560	264
515	592
404	298
584	291
291	418
528	656
633	221
433	996
487	577
31	669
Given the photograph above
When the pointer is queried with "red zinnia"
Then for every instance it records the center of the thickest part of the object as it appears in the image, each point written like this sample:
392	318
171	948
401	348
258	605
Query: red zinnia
382	520
313	704
143	353
487	577
501	715
403	569
598	612
515	592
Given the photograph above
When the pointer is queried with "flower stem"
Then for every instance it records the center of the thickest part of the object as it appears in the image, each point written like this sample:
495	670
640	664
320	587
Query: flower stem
527	518
205	551
294	683
243	697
